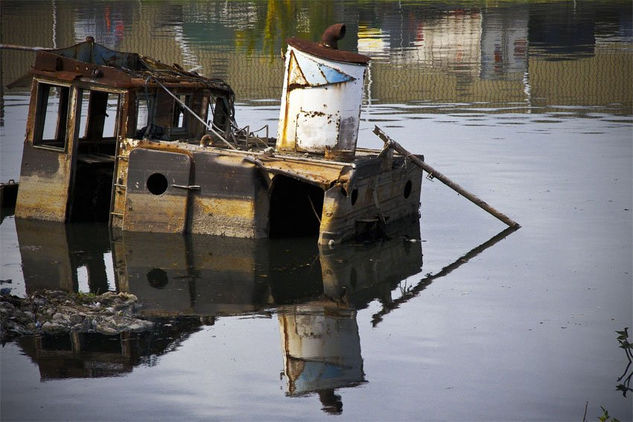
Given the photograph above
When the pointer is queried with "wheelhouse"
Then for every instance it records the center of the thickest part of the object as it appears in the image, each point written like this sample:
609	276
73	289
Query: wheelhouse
85	100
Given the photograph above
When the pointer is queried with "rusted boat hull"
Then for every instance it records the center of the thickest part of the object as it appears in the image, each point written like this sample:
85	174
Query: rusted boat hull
205	190
148	147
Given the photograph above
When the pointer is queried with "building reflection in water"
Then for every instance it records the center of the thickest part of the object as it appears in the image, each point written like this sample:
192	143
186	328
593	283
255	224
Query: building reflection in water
185	282
545	54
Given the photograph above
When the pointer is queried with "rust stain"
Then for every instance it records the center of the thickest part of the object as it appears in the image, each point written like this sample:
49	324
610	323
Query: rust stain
228	207
166	147
168	213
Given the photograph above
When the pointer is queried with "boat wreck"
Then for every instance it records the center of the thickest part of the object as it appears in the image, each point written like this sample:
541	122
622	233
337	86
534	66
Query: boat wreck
150	147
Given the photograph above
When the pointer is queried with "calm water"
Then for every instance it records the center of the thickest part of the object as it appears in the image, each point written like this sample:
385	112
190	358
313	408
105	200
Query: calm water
529	105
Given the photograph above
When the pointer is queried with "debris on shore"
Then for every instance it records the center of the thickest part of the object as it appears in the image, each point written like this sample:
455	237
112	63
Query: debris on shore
55	312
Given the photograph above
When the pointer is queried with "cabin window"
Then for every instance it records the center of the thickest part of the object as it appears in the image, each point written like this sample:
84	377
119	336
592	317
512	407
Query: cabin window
149	123
179	121
98	117
142	114
51	116
146	127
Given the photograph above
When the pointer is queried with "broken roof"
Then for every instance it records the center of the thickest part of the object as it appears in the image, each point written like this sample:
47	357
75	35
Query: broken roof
99	64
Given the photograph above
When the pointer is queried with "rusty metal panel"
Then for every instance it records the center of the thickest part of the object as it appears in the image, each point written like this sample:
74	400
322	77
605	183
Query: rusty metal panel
371	200
320	105
44	184
315	130
322	173
225	177
233	197
46	172
157	191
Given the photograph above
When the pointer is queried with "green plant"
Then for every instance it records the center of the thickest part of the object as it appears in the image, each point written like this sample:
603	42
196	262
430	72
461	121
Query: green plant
625	378
605	416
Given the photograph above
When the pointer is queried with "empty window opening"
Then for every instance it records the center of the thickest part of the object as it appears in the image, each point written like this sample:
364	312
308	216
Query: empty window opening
179	120
142	114
160	116
219	113
98	116
51	116
295	208
146	124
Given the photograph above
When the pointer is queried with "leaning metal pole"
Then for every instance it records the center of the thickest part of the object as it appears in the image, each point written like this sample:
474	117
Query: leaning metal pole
390	143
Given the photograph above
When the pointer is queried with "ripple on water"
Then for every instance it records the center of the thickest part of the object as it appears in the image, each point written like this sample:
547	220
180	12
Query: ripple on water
546	121
625	121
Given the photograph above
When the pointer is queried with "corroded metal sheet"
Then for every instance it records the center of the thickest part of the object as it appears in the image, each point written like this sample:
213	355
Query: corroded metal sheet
157	191
320	105
44	185
46	172
233	197
306	72
370	201
315	130
317	173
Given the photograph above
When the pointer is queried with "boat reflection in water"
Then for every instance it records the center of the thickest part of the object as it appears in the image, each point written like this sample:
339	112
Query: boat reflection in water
185	282
321	351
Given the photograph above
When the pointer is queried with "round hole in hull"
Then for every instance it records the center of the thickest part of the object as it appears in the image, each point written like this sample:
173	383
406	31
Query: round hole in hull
157	184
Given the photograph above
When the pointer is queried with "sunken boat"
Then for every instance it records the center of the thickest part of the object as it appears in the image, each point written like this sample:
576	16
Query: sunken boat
151	147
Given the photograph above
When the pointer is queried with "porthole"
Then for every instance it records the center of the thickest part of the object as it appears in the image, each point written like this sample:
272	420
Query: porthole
157	184
157	278
354	196
407	189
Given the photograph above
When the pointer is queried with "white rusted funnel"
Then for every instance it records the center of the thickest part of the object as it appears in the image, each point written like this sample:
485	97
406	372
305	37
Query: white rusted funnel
322	96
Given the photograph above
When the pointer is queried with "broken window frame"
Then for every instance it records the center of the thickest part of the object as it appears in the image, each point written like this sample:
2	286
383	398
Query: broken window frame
59	142
84	121
222	121
143	102
179	112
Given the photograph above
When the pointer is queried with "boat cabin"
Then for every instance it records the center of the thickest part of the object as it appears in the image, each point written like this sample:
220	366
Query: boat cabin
85	99
150	147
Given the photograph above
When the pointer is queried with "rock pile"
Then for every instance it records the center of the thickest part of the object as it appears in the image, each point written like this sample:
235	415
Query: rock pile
53	312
